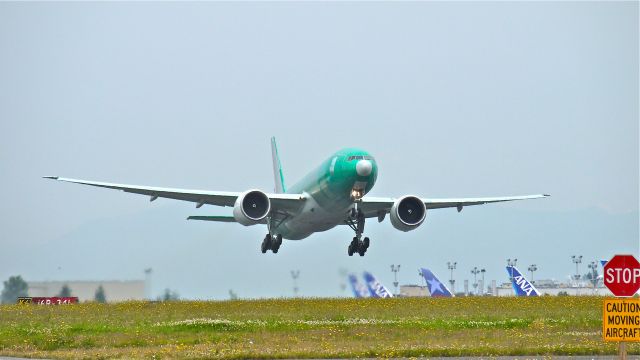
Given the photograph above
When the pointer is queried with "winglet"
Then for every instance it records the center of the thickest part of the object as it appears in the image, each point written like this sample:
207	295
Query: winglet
50	177
277	168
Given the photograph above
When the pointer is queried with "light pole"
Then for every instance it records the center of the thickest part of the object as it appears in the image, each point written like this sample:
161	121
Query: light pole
594	274
512	264
475	273
343	275
452	266
147	282
532	268
294	275
395	269
577	260
482	271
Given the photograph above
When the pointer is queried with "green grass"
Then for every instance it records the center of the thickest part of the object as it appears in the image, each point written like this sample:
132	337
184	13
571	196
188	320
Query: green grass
308	328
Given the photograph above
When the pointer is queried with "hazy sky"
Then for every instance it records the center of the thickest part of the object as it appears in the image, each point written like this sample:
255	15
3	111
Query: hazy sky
453	99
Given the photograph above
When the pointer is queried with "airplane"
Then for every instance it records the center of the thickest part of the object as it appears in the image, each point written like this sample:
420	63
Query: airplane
359	289
376	289
521	285
332	194
436	287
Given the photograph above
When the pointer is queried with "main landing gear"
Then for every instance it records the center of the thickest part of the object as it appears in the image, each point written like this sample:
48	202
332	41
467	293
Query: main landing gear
356	222
271	242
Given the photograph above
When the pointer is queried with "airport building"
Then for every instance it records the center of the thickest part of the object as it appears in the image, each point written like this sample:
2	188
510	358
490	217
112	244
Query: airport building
86	290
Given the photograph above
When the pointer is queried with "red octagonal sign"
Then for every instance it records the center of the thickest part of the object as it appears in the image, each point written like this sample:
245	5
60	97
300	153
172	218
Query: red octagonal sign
622	275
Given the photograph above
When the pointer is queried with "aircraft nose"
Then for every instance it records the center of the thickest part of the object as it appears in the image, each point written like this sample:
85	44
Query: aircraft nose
364	167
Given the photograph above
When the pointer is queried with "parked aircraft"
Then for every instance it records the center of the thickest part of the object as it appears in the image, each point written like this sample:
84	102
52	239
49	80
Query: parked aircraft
521	285
436	287
359	289
376	289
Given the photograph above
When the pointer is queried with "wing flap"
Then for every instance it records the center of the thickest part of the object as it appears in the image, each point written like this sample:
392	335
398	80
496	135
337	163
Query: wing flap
445	203
288	203
219	198
375	206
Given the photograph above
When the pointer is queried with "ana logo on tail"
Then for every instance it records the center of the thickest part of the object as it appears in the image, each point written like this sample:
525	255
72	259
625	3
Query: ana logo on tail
521	285
375	287
436	288
358	288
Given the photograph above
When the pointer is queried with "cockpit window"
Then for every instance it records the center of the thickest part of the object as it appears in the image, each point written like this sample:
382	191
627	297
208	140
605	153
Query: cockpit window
359	157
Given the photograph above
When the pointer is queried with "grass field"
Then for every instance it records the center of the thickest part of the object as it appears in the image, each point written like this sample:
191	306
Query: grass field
318	328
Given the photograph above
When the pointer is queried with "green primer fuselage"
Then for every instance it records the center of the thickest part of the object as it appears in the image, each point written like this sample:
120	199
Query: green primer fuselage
328	191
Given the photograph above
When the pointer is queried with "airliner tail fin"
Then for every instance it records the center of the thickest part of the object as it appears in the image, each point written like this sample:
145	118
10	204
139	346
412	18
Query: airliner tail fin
358	288
376	289
521	285
436	288
277	168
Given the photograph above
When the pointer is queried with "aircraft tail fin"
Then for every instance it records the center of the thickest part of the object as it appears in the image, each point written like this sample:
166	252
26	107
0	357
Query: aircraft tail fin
603	262
277	168
376	289
521	285
358	288
436	288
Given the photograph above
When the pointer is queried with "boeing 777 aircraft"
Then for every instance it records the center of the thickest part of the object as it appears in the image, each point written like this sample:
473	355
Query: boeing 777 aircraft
332	194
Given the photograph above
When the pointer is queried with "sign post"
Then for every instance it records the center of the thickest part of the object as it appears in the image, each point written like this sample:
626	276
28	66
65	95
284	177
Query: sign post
621	317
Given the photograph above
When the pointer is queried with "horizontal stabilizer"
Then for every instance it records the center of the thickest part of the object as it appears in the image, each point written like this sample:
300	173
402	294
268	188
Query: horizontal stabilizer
213	218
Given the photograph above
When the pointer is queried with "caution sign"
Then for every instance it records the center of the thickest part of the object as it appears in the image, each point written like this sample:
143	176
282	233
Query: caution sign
621	320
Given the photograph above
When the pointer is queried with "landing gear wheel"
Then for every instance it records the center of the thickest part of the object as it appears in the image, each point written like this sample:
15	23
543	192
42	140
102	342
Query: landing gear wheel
365	243
266	244
350	249
362	250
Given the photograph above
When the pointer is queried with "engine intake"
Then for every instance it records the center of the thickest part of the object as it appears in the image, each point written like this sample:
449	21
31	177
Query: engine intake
251	207
407	213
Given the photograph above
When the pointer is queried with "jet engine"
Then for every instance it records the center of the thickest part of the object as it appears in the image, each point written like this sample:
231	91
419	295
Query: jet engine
407	213
251	207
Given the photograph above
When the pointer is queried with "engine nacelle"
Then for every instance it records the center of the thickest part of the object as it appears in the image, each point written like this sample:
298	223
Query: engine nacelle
251	207
407	213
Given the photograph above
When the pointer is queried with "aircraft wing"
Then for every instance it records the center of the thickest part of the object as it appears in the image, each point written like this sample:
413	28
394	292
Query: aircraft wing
279	202
378	206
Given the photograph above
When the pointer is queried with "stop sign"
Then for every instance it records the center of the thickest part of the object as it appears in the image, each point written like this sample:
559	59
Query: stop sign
622	275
